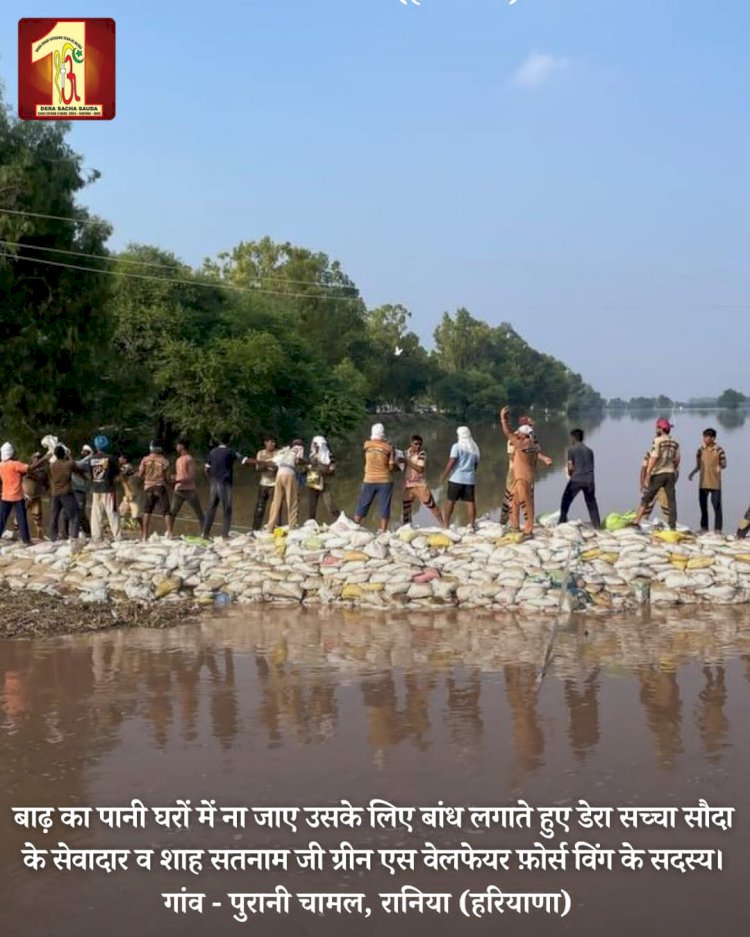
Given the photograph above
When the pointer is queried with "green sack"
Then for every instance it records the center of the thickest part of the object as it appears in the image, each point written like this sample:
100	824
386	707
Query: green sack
616	521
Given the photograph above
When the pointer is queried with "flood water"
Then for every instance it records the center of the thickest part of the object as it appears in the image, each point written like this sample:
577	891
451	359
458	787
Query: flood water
294	706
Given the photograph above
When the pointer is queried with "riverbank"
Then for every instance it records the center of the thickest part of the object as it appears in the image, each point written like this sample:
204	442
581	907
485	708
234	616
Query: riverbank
30	614
570	567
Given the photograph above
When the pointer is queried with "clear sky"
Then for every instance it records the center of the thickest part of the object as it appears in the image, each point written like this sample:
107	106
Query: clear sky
576	167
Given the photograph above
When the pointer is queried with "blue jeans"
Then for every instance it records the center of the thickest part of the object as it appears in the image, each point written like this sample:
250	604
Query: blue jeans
20	509
371	490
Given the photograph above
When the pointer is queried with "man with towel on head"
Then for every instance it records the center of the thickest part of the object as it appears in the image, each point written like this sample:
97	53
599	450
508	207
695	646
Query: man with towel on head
12	473
526	454
380	463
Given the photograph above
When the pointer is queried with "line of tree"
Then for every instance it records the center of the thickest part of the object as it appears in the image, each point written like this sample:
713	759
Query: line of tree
268	336
728	400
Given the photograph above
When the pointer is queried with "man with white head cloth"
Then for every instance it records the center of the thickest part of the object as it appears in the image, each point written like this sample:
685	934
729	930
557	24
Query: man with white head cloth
380	462
318	483
526	454
461	471
12	473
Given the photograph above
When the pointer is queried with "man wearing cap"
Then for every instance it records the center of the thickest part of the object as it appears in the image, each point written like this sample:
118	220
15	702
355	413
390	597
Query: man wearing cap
103	469
661	472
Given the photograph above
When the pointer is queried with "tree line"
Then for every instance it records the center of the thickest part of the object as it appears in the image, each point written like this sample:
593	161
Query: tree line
729	399
267	337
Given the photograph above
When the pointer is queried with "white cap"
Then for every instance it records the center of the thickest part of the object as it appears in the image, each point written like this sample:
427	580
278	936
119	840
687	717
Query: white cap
525	431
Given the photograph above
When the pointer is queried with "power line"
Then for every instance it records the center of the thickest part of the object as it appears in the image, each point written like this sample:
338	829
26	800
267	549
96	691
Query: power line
145	263
68	218
175	280
31	214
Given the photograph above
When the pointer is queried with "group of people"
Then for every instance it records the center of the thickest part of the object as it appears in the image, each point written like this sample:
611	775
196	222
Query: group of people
659	474
120	490
123	492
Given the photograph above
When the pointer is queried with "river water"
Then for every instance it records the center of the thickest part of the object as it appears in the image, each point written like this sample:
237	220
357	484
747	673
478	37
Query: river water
294	706
297	706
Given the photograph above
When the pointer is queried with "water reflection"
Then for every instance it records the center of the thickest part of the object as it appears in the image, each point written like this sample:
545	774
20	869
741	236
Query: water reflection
731	419
710	716
276	677
660	698
582	700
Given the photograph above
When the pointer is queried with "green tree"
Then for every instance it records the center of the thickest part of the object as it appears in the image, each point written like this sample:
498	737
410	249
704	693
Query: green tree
460	342
329	315
399	368
54	320
170	309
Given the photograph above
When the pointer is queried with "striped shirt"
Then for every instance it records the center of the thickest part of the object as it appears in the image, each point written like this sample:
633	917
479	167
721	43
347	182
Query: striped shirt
667	453
416	465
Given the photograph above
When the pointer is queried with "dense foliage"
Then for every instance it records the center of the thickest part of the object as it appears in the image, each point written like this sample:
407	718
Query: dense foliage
265	337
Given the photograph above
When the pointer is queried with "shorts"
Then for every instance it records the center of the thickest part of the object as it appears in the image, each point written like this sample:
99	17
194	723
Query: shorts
457	492
156	500
371	490
129	507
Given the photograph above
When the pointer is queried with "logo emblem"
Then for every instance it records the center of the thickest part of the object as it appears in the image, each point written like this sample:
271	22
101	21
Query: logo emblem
66	69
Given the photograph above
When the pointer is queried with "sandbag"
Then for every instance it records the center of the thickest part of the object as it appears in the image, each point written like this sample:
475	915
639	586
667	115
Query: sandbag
615	521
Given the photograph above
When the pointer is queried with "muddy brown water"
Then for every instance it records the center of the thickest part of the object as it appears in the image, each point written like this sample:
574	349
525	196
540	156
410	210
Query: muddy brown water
289	706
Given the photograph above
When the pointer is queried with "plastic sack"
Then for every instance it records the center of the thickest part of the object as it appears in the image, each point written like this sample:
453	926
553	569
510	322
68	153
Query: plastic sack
617	521
550	519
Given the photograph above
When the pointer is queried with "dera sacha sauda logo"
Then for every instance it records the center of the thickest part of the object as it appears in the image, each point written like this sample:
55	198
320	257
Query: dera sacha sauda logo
66	69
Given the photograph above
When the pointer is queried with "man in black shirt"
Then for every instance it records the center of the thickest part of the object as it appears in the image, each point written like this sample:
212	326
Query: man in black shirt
103	469
220	471
580	478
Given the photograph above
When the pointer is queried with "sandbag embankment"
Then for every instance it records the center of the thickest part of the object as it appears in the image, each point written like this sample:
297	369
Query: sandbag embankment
568	567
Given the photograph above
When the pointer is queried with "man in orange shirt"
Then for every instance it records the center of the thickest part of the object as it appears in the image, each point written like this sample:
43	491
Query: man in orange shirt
380	463
12	473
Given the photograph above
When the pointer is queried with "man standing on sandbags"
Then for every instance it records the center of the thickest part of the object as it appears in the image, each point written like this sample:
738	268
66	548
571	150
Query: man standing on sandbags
526	454
220	470
580	478
12	473
662	471
104	470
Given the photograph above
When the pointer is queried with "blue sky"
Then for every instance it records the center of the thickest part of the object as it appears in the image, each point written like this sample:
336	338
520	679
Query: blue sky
576	167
